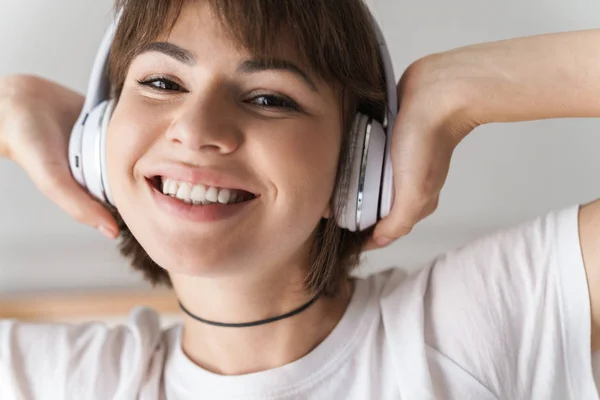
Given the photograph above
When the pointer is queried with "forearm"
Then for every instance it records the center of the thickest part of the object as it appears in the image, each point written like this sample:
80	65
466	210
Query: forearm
7	94
27	102
537	77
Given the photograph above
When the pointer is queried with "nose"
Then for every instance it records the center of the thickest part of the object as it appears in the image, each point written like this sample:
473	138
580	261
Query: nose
206	124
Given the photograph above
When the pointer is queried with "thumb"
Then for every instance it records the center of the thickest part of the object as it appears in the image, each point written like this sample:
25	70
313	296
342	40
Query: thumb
404	215
398	223
415	157
58	185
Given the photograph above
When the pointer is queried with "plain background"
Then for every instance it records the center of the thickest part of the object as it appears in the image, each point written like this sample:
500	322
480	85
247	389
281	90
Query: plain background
500	175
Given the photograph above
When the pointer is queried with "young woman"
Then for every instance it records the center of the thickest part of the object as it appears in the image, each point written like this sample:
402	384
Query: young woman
507	317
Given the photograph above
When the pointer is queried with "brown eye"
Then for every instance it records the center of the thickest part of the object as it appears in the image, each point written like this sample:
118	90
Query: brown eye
271	101
161	84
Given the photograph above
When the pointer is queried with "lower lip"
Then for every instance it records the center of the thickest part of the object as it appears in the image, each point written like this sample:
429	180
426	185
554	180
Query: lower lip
203	213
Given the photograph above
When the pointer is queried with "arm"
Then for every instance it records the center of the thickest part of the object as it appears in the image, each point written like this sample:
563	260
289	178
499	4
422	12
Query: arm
547	76
544	76
537	77
589	232
36	118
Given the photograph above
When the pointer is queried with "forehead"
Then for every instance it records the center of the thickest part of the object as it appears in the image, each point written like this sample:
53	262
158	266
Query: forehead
246	32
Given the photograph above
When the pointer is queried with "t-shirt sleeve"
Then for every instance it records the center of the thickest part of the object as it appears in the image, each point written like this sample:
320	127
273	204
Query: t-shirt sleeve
84	361
512	311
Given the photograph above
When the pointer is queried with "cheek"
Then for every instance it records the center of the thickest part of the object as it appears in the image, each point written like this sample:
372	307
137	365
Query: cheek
130	135
303	167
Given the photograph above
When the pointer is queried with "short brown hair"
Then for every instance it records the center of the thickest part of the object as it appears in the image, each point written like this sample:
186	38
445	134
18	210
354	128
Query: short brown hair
334	38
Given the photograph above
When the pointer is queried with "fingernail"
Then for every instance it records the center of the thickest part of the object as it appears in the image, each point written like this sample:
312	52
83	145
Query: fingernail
108	232
383	241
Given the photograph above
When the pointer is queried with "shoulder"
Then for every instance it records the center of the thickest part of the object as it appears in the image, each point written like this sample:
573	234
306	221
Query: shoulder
483	308
110	360
497	272
505	259
141	329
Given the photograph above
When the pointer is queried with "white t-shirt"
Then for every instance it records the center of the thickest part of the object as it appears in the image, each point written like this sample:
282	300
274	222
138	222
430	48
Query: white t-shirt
506	317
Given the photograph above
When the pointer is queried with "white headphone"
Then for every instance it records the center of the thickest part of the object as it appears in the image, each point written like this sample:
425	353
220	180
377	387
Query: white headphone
371	188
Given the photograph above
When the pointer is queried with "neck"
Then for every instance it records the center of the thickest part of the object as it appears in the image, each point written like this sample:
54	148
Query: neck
236	351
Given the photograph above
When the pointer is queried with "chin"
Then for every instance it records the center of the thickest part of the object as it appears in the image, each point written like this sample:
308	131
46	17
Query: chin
201	257
180	250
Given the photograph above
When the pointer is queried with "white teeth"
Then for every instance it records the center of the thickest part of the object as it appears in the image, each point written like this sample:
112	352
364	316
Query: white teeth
212	195
199	194
184	192
171	187
224	195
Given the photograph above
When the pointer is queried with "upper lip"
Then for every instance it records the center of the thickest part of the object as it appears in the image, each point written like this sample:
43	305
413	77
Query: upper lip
200	176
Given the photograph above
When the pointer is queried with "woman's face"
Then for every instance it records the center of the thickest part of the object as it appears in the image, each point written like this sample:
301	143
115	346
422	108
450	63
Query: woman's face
198	115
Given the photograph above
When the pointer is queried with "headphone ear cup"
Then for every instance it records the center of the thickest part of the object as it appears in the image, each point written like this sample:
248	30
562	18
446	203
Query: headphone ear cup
103	159
359	210
347	202
372	170
93	155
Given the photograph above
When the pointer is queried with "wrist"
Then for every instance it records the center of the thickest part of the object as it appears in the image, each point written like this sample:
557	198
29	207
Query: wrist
436	94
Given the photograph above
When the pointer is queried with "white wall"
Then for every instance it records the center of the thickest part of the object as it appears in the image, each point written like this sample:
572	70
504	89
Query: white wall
502	174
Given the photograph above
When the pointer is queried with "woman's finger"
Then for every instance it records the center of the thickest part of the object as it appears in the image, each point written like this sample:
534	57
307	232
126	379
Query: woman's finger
58	184
426	211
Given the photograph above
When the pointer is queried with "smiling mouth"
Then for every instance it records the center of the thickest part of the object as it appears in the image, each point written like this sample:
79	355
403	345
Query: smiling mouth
199	195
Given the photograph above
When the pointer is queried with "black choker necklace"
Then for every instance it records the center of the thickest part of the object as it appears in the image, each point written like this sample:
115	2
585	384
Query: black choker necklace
247	324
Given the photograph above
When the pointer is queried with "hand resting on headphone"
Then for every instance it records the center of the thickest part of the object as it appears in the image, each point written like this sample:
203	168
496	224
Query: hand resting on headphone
444	96
36	118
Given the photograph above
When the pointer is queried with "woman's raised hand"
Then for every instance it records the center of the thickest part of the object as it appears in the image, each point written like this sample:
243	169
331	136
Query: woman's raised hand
430	124
444	96
36	118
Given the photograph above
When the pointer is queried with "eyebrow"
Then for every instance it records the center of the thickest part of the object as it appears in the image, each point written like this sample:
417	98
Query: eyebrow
247	67
257	65
182	55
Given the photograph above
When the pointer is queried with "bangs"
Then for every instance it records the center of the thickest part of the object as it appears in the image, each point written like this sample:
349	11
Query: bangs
324	34
333	39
